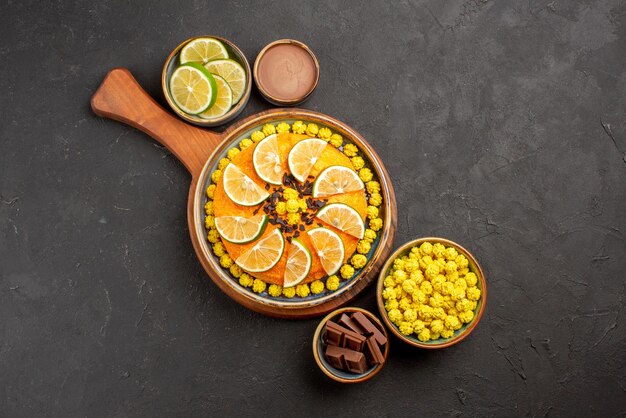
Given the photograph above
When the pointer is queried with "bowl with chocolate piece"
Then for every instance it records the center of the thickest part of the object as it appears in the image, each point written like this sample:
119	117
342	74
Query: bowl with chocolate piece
350	345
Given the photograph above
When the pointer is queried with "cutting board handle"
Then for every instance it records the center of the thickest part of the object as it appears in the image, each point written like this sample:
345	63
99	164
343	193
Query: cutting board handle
120	97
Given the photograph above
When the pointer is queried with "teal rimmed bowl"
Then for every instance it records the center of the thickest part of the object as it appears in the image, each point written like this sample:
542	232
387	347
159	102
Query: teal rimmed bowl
460	334
340	375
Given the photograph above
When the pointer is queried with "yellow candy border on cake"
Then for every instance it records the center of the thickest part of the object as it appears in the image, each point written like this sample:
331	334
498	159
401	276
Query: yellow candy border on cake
374	223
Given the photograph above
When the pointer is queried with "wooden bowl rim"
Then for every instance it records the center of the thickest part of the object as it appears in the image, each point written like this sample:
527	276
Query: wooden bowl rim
306	308
318	334
267	95
232	113
381	305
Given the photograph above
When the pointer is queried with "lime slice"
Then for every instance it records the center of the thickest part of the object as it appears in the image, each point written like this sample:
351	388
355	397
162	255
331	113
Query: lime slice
232	72
223	100
266	160
299	262
203	50
242	189
240	230
192	88
329	248
303	157
264	255
336	179
344	218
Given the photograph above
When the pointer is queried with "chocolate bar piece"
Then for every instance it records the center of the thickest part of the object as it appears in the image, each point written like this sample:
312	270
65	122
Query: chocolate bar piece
372	352
349	323
337	335
346	359
369	328
333	334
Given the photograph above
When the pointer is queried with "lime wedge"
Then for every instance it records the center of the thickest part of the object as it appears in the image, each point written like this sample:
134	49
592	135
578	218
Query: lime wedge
299	262
266	160
223	100
344	218
329	248
240	188
232	72
303	157
192	88
240	230
336	179
203	50
264	255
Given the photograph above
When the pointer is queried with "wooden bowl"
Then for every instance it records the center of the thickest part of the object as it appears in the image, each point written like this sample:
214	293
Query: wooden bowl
459	335
340	375
172	62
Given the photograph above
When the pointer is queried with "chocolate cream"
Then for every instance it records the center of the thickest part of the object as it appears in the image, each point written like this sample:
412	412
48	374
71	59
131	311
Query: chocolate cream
287	72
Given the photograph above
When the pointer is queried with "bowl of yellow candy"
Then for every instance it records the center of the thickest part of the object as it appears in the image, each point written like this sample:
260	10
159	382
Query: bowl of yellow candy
431	293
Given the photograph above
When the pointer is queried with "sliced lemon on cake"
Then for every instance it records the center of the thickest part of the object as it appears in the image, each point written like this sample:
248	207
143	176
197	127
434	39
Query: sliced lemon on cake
232	72
240	188
223	100
336	179
264	255
303	157
240	230
203	50
299	262
193	88
266	160
344	218
329	248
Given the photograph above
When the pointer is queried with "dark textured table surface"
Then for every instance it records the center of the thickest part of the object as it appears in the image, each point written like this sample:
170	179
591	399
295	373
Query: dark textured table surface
503	126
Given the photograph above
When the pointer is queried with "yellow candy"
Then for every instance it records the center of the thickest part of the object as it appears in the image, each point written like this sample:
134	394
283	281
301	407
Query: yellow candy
358	261
210	191
332	283
289	292
426	248
473	293
258	286
269	129
232	153
426	287
363	247
376	224
223	163
283	127
350	150
436	326
246	280
400	276
336	140
358	163
302	290
406	328
424	335
347	271
236	271
365	174
312	129
471	279
410	315
466	316
257	136
324	134
275	290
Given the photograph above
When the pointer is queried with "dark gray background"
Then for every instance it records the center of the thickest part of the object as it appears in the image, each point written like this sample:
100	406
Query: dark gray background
503	126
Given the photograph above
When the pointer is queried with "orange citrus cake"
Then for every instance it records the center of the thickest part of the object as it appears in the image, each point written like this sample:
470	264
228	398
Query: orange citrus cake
293	210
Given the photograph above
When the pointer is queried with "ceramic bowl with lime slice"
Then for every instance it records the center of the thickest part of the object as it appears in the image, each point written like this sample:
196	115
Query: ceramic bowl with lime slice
214	102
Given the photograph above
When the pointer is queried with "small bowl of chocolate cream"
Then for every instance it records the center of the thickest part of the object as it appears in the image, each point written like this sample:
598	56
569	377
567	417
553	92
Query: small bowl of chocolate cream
286	72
